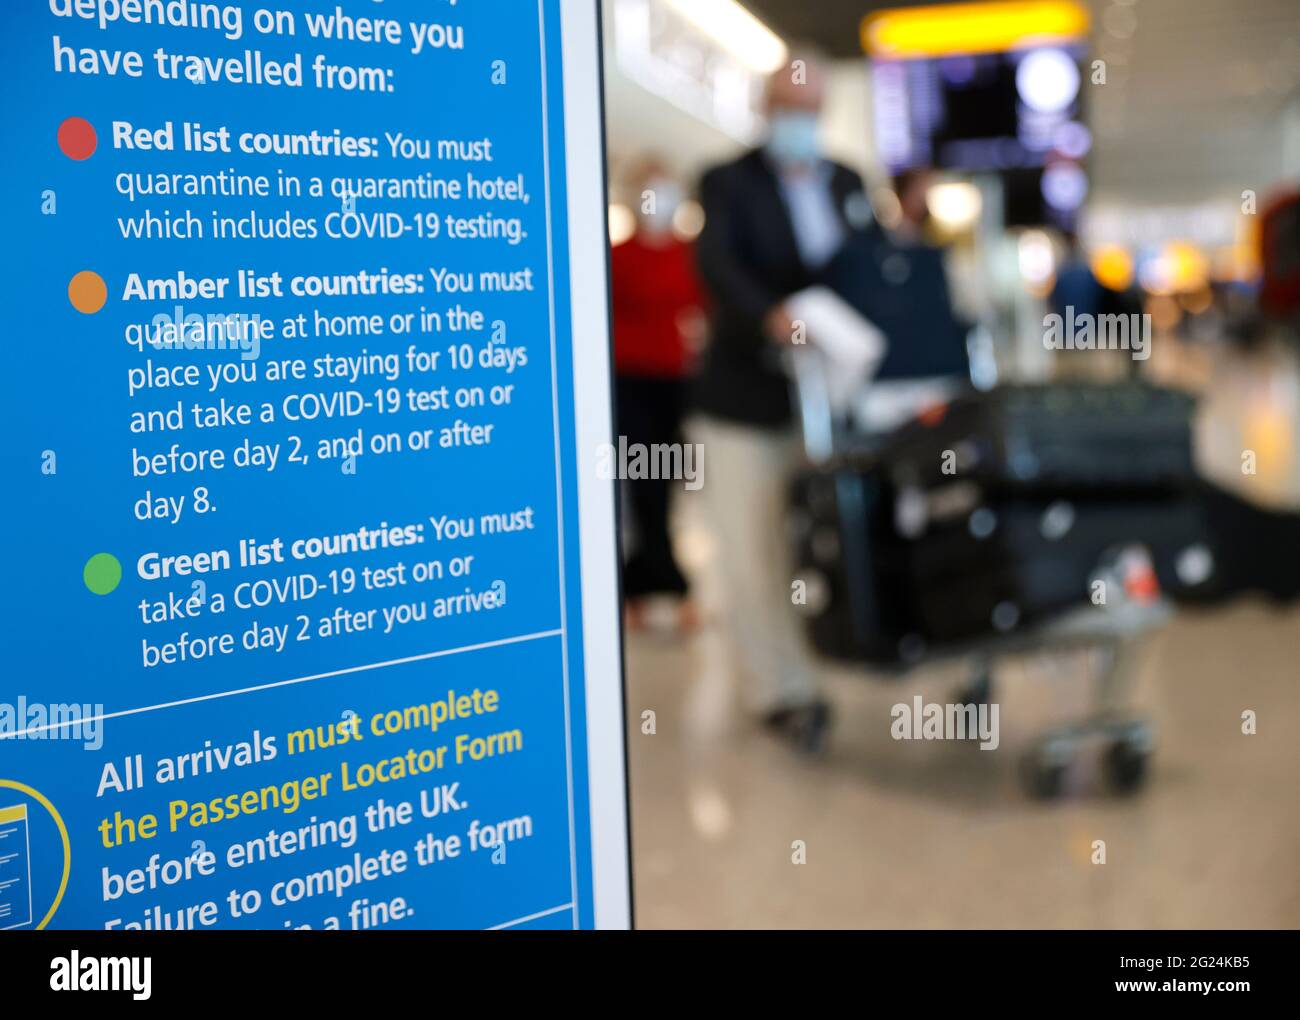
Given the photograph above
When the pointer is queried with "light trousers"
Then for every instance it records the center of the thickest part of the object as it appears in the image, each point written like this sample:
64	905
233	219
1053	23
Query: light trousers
746	477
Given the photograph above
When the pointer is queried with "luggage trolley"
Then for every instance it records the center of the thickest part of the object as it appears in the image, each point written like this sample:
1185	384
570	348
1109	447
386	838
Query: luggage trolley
830	531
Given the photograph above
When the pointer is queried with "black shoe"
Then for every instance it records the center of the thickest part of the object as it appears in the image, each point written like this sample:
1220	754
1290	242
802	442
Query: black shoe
803	727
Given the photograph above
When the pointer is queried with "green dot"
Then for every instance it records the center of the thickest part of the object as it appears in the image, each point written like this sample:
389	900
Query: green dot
102	574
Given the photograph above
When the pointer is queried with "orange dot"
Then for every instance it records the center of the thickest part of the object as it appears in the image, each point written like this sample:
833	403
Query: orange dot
77	138
87	291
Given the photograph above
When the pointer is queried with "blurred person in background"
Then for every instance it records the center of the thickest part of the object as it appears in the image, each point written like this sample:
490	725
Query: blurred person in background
1076	285
773	219
965	286
912	188
1077	289
900	281
657	314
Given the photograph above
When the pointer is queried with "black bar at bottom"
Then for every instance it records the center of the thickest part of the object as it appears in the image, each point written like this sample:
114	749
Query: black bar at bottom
302	968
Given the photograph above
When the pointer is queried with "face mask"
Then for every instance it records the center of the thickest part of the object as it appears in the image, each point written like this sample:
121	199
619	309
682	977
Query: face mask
667	197
792	137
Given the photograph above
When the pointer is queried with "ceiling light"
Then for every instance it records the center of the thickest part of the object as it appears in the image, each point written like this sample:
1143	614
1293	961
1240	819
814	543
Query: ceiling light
955	205
733	28
1047	80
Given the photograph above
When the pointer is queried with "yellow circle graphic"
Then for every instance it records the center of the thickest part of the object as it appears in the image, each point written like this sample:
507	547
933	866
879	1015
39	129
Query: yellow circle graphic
40	798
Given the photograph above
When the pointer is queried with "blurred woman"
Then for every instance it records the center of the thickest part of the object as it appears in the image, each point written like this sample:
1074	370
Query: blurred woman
656	303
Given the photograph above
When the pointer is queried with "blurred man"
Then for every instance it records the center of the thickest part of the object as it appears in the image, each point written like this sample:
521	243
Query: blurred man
773	219
900	282
1076	286
656	303
912	188
1077	295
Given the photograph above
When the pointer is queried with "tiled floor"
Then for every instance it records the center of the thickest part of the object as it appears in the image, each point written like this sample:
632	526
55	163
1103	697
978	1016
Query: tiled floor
918	834
901	834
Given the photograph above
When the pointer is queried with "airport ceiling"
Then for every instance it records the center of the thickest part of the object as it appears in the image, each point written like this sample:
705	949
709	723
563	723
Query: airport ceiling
1195	90
830	25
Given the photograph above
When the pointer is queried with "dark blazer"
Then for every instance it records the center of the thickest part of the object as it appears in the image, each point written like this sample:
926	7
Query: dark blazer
749	260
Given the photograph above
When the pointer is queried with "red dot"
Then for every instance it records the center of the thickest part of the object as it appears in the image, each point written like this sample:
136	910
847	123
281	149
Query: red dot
77	138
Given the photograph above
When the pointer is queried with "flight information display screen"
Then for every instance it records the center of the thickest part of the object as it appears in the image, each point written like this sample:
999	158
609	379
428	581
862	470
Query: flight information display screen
986	111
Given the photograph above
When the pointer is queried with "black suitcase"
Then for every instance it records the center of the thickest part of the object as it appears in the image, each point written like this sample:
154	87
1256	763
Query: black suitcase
852	564
995	567
1248	549
992	515
1008	564
1055	437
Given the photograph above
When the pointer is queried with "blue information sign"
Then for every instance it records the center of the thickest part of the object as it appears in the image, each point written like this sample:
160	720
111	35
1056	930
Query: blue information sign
309	611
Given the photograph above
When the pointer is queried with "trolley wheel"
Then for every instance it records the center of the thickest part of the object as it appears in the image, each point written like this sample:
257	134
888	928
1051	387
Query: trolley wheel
1126	764
1042	771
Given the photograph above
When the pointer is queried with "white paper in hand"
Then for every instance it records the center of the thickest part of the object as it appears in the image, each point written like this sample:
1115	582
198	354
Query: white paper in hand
852	346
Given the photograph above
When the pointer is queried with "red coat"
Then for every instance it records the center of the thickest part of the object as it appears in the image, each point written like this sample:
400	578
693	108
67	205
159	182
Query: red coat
654	289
